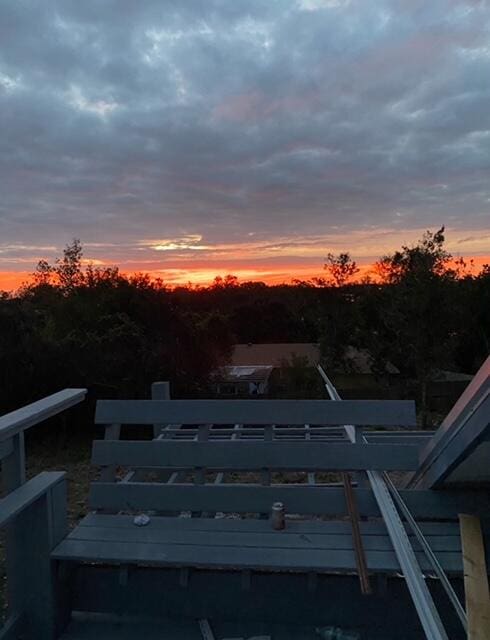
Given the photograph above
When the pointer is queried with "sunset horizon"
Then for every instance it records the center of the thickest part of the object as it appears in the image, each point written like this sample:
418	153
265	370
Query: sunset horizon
250	138
189	260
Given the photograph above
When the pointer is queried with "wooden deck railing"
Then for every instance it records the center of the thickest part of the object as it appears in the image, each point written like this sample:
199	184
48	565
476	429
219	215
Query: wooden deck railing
14	424
34	512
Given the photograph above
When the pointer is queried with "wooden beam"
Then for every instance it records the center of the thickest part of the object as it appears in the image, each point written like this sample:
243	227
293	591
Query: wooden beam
324	412
233	455
475	578
254	498
21	419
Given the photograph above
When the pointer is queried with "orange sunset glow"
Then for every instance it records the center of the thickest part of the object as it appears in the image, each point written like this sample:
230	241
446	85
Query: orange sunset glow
252	140
190	260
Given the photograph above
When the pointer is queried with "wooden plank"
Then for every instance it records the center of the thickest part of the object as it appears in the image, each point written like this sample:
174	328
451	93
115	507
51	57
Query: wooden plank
247	539
418	438
441	530
290	537
220	497
475	578
19	499
324	412
251	498
255	456
263	559
21	419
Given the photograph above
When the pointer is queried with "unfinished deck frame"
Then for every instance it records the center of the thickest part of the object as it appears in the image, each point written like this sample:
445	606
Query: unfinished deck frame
209	547
185	479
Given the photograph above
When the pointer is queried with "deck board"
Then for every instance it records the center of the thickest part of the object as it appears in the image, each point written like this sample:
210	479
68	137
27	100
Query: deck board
220	543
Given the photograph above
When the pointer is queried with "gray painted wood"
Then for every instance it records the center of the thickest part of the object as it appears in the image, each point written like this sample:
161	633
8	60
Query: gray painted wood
289	538
238	557
6	448
263	455
14	465
159	391
358	412
36	512
419	438
249	498
22	419
254	525
22	497
111	432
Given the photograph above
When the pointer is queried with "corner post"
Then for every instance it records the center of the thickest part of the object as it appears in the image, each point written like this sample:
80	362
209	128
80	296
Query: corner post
159	391
33	591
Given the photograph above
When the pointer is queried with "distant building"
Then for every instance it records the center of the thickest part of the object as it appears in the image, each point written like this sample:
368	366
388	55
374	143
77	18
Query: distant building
243	380
275	354
254	366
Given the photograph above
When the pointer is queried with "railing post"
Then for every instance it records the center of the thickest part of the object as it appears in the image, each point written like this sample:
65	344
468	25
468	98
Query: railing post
34	595
13	465
159	391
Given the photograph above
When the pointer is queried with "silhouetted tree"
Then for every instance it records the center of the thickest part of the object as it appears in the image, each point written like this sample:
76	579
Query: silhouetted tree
340	268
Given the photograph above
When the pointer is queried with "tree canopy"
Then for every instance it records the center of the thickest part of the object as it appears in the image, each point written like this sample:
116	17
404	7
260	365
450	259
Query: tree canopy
77	324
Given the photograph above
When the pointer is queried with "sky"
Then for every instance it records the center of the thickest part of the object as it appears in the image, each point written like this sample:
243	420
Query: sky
195	138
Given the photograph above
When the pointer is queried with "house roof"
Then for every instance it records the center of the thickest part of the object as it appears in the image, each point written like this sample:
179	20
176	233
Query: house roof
274	354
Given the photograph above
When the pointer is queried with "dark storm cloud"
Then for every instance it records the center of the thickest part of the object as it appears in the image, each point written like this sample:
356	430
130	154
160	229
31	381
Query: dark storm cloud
123	121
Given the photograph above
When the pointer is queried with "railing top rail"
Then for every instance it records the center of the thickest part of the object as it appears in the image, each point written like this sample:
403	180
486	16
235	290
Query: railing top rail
324	412
16	421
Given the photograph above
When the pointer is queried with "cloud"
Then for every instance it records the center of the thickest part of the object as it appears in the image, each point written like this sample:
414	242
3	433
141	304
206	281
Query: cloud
123	121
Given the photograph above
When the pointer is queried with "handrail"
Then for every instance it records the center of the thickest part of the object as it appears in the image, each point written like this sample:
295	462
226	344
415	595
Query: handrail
21	419
13	425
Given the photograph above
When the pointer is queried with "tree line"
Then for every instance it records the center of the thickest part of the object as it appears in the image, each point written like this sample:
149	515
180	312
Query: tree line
80	325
